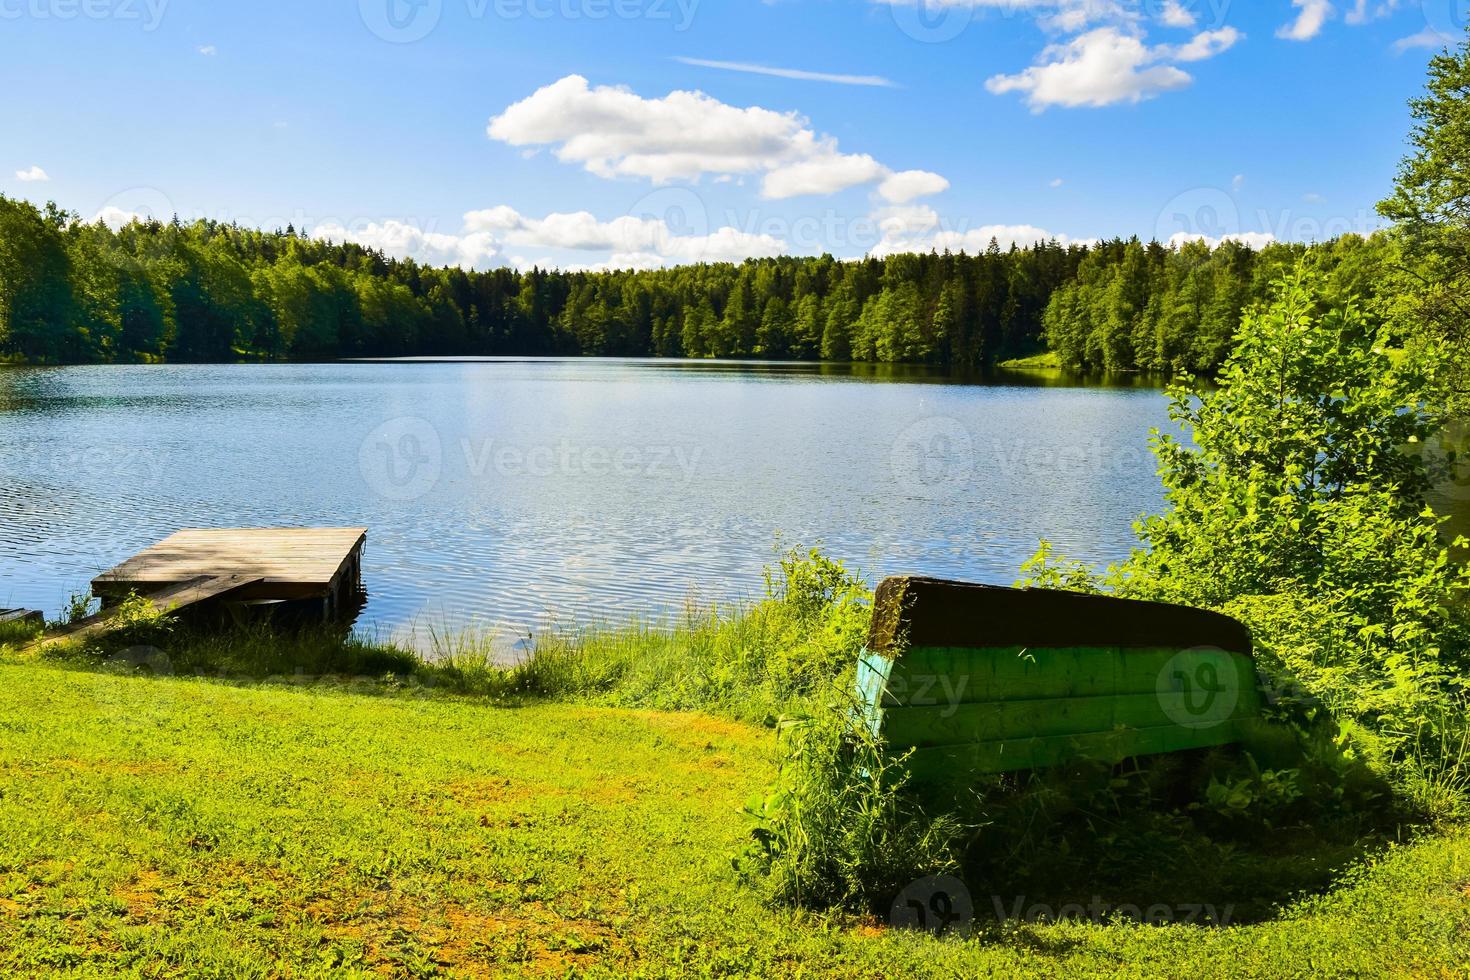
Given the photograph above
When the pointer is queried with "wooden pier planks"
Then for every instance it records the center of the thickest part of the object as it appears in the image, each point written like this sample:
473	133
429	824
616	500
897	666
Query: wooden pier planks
20	616
196	590
289	563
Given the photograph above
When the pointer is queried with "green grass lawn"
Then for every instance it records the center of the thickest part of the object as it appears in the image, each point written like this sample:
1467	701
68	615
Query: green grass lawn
187	827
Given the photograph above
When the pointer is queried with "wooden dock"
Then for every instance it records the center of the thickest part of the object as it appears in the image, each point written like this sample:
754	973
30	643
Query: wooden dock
235	564
283	564
20	616
174	597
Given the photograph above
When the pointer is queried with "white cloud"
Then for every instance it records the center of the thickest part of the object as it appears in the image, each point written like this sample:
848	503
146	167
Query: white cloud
1057	182
923	232
1107	66
581	231
613	132
798	74
1206	44
35	175
1237	182
901	188
117	218
906	221
826	174
208	50
1311	16
1175	14
1428	38
1363	11
485	236
1067	16
1108	59
1312	197
503	236
405	241
1255	239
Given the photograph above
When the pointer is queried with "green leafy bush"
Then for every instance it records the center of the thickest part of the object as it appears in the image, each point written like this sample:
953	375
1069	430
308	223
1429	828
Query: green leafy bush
1300	509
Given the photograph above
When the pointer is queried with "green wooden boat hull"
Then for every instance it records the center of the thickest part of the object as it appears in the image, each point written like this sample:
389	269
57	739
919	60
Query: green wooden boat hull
968	680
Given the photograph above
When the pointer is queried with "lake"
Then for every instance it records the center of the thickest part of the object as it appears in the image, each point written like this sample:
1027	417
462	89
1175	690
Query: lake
520	494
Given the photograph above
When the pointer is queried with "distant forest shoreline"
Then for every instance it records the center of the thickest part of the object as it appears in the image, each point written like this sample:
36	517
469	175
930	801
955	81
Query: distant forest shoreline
72	292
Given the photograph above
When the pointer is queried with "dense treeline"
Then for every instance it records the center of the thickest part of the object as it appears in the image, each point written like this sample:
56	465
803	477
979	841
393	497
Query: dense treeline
1151	308
76	292
71	291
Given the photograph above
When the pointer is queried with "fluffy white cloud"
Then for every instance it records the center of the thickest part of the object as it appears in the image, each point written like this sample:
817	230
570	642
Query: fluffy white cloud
906	222
32	176
1106	66
581	231
919	228
906	234
1310	18
485	236
1109	59
208	50
117	218
503	236
826	174
1255	239
405	241
901	188
613	132
1069	16
1176	14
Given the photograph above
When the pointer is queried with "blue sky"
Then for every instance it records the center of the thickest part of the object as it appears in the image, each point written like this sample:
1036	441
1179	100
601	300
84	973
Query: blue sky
587	132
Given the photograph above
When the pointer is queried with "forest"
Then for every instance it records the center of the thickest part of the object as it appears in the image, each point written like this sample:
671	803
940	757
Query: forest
78	292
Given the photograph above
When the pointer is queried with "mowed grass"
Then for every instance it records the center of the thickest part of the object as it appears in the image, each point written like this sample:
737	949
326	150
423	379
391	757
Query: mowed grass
186	827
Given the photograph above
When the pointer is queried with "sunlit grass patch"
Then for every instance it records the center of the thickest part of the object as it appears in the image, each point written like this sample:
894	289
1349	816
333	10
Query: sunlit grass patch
185	826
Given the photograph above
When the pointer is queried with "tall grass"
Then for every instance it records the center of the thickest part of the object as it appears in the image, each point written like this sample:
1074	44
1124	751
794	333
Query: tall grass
750	663
839	830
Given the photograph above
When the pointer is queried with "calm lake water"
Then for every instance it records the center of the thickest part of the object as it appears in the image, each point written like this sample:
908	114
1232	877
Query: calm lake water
519	494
